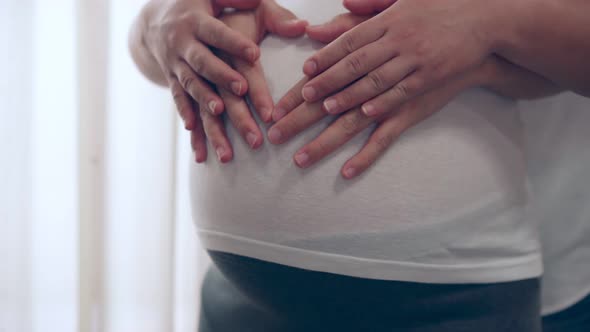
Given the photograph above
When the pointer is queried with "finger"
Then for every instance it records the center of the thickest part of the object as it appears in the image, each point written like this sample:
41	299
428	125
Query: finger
241	118
197	88
395	123
328	32
213	69
366	7
337	134
238	4
258	92
216	135
184	104
379	141
199	142
370	86
290	101
215	33
411	86
365	33
281	21
303	117
346	71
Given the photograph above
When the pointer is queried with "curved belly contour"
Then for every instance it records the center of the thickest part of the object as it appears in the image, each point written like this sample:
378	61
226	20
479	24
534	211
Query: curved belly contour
454	175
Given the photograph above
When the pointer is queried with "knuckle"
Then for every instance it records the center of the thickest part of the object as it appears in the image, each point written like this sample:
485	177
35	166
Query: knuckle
172	35
416	84
187	81
216	33
355	65
179	99
376	80
402	90
196	61
349	124
178	96
348	43
423	48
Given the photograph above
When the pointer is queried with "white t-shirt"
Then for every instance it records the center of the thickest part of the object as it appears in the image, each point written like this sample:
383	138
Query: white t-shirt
444	205
558	147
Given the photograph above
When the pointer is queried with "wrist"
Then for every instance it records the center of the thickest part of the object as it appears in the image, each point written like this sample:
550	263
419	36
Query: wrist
487	74
509	23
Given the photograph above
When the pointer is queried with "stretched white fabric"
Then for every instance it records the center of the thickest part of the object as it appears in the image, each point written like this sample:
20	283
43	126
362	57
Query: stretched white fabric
445	204
558	151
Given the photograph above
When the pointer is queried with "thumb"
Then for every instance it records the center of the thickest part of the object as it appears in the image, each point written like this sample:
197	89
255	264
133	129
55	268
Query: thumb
367	7
328	32
281	21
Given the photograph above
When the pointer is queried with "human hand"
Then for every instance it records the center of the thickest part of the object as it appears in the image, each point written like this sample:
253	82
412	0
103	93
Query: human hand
409	48
495	74
367	7
389	126
269	17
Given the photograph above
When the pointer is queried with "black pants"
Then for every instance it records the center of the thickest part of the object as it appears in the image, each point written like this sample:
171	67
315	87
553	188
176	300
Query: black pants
249	295
573	319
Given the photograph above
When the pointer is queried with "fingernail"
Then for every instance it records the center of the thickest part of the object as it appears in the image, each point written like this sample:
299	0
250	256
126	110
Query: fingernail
266	114
189	125
310	67
199	158
294	21
220	150
349	173
274	135
236	88
212	105
278	114
308	93
251	138
369	110
302	159
331	105
251	53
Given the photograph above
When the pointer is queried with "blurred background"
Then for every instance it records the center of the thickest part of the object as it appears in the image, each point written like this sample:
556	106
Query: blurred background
95	225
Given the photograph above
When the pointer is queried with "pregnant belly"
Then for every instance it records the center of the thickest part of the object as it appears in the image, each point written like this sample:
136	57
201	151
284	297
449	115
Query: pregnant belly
456	169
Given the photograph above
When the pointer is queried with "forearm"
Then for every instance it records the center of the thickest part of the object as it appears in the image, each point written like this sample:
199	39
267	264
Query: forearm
512	81
549	37
143	58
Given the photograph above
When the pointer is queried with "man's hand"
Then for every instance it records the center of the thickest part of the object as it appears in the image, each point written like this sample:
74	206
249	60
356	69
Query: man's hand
409	48
294	115
367	7
254	25
389	125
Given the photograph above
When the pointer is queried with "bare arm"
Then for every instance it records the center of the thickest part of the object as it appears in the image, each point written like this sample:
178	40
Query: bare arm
549	37
293	115
512	81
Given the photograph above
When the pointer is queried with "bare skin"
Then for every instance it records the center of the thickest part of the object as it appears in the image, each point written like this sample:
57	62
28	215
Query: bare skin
413	46
178	44
294	114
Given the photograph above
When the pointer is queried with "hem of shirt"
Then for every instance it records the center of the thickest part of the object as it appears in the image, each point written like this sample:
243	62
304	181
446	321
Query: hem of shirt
566	303
516	269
